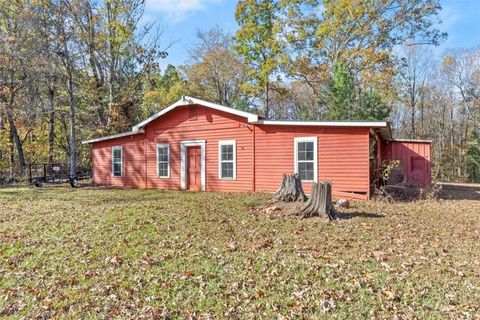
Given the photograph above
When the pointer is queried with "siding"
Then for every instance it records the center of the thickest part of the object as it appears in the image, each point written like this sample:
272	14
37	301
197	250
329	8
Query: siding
133	162
342	153
209	125
405	152
342	157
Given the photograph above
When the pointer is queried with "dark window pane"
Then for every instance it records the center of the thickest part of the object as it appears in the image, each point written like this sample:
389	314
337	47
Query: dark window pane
309	155
117	169
227	170
306	170
163	169
309	146
163	154
305	151
117	155
227	152
301	146
301	155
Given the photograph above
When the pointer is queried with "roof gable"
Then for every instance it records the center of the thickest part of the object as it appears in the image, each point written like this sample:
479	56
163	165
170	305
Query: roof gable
185	101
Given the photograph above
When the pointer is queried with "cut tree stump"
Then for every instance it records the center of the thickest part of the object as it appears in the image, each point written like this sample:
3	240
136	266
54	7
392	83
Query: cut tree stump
291	189
320	202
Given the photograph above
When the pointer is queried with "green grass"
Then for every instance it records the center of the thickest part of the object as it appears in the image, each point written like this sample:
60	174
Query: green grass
103	253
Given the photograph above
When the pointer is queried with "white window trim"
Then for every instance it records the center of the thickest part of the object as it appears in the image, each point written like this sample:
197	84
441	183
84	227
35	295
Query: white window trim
163	145
121	161
183	162
315	156
226	143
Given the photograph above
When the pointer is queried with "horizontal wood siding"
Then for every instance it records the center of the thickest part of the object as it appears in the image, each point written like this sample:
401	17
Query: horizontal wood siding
342	157
209	125
133	162
342	153
405	152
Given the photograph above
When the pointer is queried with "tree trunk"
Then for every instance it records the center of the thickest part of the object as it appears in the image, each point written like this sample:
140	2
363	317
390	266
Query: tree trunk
71	143
320	202
51	124
11	156
267	101
290	189
15	138
111	62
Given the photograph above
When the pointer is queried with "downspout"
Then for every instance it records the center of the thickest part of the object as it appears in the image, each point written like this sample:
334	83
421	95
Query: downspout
253	158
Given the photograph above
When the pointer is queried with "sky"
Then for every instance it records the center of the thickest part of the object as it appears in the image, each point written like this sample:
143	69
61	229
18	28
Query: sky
180	20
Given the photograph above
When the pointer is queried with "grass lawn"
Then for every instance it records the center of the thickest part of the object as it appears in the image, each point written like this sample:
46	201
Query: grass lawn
83	253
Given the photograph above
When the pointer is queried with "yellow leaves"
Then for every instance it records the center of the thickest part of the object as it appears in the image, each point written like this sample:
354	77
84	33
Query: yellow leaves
448	62
387	295
260	293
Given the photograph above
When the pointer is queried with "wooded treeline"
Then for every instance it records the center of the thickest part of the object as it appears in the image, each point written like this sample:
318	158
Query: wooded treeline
75	69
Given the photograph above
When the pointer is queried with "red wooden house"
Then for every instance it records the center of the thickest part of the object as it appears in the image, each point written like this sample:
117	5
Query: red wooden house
198	145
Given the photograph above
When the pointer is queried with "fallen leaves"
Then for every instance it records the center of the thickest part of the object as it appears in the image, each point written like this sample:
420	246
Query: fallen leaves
150	254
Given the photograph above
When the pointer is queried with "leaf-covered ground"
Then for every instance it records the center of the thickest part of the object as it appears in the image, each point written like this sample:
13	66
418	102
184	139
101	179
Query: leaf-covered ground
105	253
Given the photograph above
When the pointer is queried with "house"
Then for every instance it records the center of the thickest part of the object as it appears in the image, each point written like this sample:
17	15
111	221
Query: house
199	145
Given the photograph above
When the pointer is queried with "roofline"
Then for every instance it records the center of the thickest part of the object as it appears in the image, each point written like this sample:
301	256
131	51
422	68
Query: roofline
370	124
412	140
114	136
185	101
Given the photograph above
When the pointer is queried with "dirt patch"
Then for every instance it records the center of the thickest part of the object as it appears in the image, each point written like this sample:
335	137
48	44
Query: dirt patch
278	209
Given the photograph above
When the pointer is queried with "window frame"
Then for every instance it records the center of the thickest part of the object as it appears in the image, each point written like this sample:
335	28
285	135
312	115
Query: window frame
234	161
163	145
315	156
114	148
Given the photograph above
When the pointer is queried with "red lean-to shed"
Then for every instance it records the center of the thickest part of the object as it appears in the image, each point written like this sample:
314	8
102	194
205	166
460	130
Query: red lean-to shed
198	145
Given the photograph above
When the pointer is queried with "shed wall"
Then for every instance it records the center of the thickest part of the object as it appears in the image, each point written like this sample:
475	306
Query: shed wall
133	162
343	153
415	162
209	125
343	157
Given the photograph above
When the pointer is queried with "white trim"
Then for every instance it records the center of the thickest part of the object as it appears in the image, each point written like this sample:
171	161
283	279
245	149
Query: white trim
185	101
121	161
119	135
315	155
183	157
163	145
371	124
411	140
226	143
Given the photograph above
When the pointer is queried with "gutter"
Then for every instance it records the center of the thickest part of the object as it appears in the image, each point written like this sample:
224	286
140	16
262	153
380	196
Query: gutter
114	136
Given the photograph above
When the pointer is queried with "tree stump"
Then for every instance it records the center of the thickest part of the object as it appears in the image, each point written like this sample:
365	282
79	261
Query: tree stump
320	202
291	189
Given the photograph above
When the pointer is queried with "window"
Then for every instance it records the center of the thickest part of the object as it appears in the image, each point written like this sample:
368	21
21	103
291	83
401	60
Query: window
306	158
117	161
163	160
227	160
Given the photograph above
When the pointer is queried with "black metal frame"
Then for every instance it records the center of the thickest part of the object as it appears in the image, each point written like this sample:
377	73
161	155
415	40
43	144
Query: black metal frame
45	173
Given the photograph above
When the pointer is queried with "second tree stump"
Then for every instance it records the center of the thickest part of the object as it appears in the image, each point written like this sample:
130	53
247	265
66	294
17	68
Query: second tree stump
291	189
320	202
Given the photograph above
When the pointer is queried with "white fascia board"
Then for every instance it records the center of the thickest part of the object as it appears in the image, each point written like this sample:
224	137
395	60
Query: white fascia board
251	117
371	124
156	115
412	140
114	136
185	101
